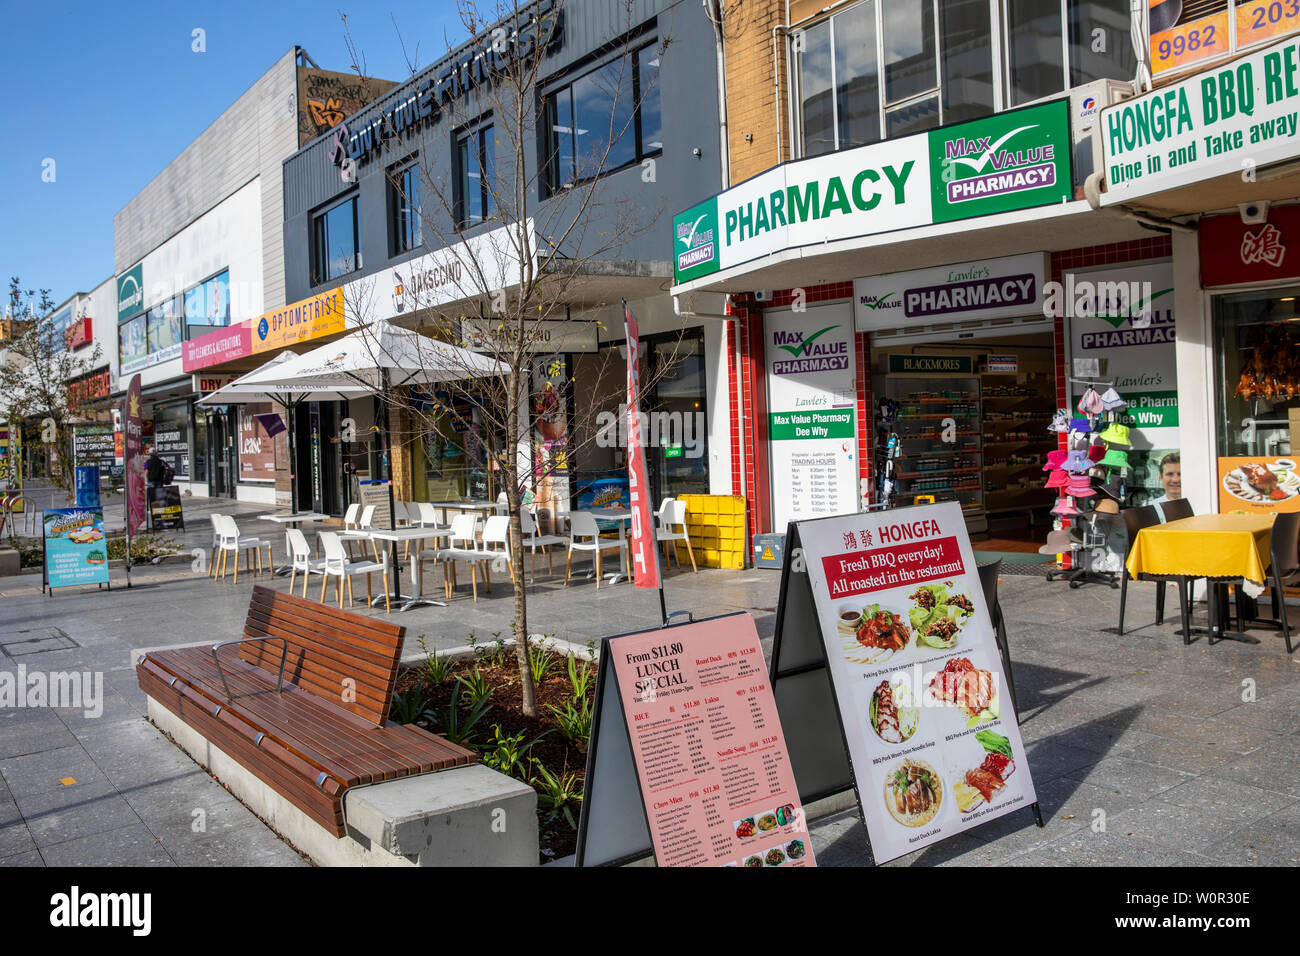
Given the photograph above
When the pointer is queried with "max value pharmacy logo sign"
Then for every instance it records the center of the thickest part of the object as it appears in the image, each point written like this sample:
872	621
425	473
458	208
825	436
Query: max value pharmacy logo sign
810	351
1014	160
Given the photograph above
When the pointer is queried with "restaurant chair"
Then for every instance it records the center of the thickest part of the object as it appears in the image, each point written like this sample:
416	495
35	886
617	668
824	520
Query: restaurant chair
503	504
300	559
673	516
464	546
1135	519
216	541
1176	509
1284	553
230	541
989	582
426	517
337	565
534	540
584	535
350	517
362	532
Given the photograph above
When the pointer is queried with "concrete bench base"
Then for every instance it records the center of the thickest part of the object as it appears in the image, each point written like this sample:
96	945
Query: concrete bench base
10	561
466	816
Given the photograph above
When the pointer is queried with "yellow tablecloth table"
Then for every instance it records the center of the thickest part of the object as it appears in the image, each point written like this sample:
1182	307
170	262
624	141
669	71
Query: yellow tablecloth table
1204	546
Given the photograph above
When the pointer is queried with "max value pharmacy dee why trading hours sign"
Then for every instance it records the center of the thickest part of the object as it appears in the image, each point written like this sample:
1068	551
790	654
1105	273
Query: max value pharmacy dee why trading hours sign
1014	160
1233	119
919	684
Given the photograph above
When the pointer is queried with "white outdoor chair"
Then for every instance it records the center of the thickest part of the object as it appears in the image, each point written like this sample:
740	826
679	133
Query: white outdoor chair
216	542
337	565
503	504
362	532
400	516
584	535
230	541
350	517
464	547
534	540
673	515
300	559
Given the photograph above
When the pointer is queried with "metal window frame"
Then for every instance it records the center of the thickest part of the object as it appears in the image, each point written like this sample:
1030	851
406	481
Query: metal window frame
320	239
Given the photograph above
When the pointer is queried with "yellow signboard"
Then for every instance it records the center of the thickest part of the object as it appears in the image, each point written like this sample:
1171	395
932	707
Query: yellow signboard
300	322
1265	19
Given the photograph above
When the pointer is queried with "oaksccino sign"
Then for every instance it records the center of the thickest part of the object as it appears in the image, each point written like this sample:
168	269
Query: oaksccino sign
812	421
919	685
987	288
1014	160
1228	120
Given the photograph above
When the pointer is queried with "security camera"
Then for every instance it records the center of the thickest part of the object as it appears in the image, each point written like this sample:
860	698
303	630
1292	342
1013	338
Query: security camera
1253	213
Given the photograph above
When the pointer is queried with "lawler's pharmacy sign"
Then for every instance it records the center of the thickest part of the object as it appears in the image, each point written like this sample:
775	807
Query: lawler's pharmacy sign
1014	160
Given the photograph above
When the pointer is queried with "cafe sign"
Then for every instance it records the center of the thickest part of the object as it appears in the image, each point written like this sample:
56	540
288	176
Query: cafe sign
1014	160
1233	119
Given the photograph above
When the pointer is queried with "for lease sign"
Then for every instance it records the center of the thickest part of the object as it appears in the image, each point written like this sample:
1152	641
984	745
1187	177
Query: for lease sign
1229	120
1014	160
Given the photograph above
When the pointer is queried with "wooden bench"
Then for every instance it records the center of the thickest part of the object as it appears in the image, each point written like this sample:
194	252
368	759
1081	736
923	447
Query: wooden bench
300	701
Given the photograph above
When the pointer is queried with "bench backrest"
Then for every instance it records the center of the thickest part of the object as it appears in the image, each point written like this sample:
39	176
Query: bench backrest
345	658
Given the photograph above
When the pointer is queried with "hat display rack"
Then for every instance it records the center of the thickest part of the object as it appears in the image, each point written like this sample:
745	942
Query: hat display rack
1089	475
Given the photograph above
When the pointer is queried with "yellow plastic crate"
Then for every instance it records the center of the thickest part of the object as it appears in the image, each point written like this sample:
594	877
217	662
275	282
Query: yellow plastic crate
717	526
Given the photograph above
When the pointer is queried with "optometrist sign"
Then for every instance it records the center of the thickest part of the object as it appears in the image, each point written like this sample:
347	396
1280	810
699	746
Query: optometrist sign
1014	160
1229	120
986	288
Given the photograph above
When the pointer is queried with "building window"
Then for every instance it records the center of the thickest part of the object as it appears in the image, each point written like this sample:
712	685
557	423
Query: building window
208	303
336	247
164	325
132	340
404	208
475	176
1053	45
604	119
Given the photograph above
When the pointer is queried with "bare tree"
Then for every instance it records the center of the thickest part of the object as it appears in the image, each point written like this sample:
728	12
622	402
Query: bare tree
516	273
37	376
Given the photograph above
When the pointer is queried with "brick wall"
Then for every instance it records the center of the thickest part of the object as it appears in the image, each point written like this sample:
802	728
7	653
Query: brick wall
751	97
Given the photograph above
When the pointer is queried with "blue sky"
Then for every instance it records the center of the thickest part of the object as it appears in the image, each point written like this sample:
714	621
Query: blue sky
112	92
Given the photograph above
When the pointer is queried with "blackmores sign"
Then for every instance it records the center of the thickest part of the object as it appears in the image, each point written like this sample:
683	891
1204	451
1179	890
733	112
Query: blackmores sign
473	65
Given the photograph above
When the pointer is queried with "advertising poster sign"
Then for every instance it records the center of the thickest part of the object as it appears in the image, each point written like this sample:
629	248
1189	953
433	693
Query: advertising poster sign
812	408
707	746
1258	485
918	680
87	486
550	427
644	558
94	445
256	447
165	508
11	459
133	460
75	548
376	493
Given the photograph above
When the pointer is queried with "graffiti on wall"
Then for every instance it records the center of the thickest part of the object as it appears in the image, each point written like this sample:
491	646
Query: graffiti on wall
326	98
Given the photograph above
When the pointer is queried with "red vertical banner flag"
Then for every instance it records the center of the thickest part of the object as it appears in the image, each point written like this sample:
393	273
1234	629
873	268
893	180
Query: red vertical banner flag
133	459
645	562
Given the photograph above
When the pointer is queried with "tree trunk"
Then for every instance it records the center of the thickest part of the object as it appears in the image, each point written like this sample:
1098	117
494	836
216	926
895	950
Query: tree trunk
510	468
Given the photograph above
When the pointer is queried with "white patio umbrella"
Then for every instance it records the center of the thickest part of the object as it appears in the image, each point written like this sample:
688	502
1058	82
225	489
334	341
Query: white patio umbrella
288	393
372	360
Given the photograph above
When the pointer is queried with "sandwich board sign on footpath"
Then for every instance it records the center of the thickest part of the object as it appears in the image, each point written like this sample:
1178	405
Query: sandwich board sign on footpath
886	669
686	729
76	550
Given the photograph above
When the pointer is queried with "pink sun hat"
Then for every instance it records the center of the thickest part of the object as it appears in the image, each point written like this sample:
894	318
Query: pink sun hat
1065	506
1054	459
1057	479
1079	486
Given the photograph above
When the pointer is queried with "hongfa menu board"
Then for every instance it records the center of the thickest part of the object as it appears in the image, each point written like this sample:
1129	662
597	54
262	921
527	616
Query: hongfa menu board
918	681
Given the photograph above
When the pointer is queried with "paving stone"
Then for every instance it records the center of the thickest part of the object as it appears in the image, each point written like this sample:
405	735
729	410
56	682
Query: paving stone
1130	776
74	811
44	771
31	858
1087	848
252	845
15	839
1181	755
130	845
1268	841
1228	799
1182	828
1267	768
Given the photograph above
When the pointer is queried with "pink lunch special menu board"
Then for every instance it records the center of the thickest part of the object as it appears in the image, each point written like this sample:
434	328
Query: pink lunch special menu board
918	678
706	740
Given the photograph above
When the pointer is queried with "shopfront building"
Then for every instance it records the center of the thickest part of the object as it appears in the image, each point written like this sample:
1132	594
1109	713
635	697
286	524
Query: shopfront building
361	213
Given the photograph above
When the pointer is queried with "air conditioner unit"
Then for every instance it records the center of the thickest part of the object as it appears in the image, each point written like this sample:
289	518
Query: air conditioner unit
1086	103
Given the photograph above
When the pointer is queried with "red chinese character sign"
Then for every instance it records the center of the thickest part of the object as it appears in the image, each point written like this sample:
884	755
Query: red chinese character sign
891	604
645	560
1235	252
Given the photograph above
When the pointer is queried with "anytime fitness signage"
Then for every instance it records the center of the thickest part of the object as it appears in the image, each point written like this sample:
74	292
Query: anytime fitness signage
1229	120
472	66
1014	160
987	288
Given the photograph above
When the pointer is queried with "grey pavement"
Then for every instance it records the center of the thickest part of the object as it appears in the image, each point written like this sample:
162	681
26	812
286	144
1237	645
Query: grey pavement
1143	751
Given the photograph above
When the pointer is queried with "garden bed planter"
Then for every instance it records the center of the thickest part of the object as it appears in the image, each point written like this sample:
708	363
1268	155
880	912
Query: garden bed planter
547	745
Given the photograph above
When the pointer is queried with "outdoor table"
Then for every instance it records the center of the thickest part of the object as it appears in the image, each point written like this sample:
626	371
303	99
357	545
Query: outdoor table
290	521
484	508
397	536
623	516
1220	548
